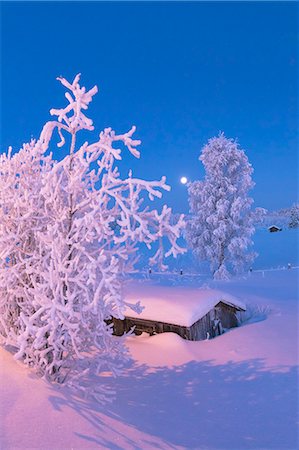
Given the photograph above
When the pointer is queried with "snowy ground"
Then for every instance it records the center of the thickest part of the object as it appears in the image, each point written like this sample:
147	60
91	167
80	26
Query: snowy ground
238	391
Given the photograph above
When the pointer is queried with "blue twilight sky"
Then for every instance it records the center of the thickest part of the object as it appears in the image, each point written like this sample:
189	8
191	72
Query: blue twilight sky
179	71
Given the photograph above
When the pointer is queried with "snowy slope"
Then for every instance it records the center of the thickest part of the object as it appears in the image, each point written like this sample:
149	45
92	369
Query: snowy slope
276	249
238	391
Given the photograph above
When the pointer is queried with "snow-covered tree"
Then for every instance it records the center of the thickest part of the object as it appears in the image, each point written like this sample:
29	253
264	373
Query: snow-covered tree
294	216
83	224
222	223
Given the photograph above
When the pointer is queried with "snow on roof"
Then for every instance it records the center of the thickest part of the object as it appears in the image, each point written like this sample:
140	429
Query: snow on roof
175	305
273	226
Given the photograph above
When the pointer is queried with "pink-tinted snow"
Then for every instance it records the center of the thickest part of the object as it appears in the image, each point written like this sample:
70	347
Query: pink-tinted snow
238	391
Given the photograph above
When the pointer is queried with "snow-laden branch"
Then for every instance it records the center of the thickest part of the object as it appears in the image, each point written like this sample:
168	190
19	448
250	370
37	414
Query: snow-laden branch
72	115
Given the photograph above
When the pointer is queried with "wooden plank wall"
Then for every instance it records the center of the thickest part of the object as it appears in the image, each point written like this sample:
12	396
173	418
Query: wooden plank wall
202	329
227	315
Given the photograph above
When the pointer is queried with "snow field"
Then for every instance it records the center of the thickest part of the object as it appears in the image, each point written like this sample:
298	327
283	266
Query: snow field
237	391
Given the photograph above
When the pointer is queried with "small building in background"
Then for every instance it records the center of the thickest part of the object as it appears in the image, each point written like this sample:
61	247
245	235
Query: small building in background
274	229
194	314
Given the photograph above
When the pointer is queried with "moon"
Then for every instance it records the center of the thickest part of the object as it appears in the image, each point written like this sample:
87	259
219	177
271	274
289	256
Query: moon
184	180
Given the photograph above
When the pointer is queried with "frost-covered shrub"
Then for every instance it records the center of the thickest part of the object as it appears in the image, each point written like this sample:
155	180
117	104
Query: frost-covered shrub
68	230
22	216
253	313
222	222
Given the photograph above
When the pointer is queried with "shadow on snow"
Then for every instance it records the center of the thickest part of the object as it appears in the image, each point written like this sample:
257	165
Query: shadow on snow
199	405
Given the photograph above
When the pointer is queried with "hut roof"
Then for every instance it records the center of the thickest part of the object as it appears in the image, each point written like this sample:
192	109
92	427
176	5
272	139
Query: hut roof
176	305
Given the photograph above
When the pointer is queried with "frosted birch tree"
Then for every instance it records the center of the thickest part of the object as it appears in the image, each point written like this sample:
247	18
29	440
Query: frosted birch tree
222	219
84	226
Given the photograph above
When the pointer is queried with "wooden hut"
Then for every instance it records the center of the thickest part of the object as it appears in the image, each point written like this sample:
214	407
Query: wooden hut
194	314
274	229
